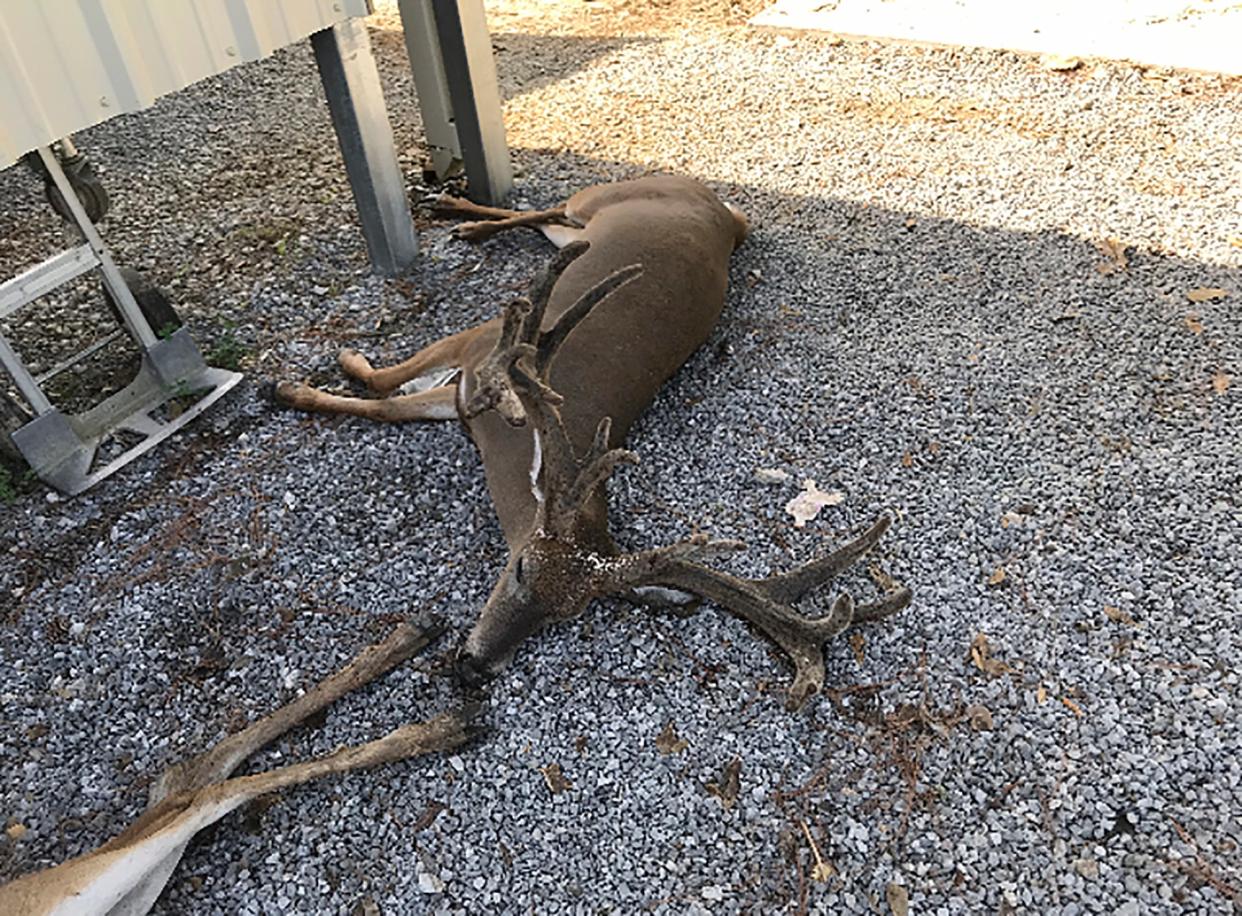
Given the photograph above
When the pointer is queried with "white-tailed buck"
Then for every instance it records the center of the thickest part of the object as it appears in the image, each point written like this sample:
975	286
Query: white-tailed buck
548	392
126	875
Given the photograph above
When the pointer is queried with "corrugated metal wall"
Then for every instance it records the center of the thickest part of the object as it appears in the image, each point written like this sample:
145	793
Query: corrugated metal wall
68	64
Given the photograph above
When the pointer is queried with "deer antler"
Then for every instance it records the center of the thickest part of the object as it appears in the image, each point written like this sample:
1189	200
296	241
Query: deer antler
513	380
766	602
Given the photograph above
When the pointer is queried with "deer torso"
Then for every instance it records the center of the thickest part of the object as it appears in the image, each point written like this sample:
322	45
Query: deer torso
617	359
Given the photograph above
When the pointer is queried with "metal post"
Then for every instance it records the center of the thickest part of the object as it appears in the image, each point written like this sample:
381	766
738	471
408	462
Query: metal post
422	47
356	104
470	72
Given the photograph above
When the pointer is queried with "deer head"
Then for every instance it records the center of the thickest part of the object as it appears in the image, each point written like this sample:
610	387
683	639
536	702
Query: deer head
569	558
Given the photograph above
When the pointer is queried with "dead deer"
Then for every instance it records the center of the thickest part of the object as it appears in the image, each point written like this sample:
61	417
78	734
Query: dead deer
548	392
125	876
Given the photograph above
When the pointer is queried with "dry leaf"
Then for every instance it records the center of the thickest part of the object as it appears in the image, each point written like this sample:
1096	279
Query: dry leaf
1236	241
857	641
727	787
884	582
1220	382
1194	324
998	577
667	741
907	460
580	744
15	831
933	447
806	505
1073	707
981	657
980	717
555	779
1041	695
1117	615
898	899
1207	294
1010	518
1088	868
822	871
1115	251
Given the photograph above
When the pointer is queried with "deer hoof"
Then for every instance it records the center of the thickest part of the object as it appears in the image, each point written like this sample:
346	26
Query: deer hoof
470	672
287	394
472	232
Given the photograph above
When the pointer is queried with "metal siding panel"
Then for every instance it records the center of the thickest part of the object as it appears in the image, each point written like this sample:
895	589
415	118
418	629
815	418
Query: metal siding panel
247	25
20	116
138	38
48	47
68	64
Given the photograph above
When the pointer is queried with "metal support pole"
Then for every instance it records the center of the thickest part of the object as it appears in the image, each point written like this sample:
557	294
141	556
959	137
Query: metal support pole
356	104
422	47
470	73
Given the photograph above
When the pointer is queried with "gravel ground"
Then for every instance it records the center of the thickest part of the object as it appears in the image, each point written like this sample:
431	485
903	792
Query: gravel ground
965	303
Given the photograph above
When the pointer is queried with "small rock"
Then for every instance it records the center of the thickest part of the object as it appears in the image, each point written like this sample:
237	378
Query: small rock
429	883
1059	62
1088	868
771	475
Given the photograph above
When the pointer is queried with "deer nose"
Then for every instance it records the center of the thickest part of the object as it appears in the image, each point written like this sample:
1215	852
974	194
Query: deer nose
471	672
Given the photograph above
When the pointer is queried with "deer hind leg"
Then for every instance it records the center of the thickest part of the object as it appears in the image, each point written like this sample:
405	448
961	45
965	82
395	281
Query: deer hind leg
445	354
491	220
435	404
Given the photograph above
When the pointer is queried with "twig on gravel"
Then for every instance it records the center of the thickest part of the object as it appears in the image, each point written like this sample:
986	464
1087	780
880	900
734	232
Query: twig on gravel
1201	868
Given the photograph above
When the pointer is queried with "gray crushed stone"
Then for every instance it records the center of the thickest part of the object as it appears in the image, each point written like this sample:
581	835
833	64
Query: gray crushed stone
922	320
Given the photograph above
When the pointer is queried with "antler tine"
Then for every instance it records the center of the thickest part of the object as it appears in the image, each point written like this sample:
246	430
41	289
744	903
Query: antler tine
766	602
545	280
499	372
495	385
791	586
594	468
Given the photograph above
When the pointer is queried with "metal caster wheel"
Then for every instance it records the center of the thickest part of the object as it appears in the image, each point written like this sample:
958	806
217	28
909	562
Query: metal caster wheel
92	194
82	179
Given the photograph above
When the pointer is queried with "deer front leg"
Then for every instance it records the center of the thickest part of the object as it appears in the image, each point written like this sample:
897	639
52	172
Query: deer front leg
435	404
444	355
766	603
126	875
